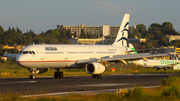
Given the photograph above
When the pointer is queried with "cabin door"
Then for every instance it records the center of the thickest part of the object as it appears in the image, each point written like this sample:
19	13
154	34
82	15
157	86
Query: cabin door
41	52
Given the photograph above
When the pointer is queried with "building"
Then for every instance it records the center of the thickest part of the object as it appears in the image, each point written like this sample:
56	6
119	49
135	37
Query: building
96	30
172	37
102	40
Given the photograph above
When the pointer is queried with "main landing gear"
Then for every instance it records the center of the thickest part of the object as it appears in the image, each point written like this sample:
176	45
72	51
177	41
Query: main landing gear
96	75
58	74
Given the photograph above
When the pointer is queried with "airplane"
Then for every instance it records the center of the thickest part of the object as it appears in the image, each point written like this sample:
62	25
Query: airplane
39	58
155	63
158	63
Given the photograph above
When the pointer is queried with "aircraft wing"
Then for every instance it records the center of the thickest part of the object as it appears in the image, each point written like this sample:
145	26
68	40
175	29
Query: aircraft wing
87	61
132	56
10	55
122	58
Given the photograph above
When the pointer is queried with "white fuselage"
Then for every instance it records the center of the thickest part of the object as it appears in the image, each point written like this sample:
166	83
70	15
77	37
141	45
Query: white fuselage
62	56
156	63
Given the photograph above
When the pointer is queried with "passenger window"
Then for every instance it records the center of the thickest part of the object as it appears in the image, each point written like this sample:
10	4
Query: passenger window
25	52
30	52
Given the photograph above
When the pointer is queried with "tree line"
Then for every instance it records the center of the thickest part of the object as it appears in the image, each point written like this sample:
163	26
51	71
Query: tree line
155	36
15	36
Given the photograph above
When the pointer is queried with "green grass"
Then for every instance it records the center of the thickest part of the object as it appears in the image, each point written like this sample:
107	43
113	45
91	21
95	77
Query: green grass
14	71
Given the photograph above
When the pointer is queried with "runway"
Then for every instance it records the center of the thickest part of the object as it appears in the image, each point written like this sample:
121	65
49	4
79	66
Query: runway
40	85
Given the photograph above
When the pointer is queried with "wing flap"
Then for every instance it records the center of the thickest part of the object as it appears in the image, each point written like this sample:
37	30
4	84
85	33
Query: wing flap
132	56
87	61
120	58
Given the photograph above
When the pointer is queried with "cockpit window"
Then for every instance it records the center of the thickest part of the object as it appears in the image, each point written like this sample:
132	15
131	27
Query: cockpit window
30	52
25	52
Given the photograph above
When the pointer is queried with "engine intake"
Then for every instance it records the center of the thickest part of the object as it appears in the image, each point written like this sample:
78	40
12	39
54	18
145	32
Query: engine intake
95	68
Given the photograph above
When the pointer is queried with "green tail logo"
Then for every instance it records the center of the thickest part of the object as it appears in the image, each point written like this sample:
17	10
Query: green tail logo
134	52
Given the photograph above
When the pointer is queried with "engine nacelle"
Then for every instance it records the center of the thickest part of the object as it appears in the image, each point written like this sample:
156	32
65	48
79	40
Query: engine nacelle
95	68
38	70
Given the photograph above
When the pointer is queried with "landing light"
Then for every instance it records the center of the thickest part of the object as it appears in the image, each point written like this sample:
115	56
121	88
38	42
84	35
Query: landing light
113	70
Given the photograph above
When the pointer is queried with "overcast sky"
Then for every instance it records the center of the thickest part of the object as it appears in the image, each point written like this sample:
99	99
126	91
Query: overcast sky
42	15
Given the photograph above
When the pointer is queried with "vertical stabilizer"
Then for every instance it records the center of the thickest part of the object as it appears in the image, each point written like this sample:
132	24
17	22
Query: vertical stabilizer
133	49
121	38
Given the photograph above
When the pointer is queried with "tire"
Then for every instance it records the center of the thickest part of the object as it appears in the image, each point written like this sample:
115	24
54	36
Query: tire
93	76
56	74
60	75
32	77
98	75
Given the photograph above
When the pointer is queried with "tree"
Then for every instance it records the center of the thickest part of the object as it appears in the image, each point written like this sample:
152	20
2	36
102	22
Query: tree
83	35
101	35
75	35
1	31
51	39
141	28
1	34
68	33
63	34
175	43
155	25
167	28
54	32
89	35
18	30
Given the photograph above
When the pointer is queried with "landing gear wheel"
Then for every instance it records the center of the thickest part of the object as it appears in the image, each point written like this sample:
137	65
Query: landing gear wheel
33	72
32	77
93	76
96	75
60	74
56	74
165	68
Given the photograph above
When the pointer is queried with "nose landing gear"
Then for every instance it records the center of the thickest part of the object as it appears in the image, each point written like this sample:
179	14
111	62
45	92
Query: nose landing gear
33	72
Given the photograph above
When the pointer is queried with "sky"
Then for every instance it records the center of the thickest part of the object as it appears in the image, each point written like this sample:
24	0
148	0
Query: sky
42	15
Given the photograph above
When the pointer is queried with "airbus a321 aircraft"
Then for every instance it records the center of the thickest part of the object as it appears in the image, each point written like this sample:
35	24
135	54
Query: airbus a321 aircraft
94	58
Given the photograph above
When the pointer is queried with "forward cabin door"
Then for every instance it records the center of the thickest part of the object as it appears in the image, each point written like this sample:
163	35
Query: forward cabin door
42	62
65	57
41	52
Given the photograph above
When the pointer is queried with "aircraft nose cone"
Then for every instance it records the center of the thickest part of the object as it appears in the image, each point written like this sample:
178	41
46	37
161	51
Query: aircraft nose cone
19	60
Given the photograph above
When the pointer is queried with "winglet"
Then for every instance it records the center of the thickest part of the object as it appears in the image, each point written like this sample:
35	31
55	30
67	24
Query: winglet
121	38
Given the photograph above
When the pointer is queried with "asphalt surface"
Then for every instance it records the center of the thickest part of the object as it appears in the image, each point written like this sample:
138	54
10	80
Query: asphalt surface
40	85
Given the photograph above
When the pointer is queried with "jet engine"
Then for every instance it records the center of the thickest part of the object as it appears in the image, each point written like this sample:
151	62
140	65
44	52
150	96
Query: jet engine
95	68
38	70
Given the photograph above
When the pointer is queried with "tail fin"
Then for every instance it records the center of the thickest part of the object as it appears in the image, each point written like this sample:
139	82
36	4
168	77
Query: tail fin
121	38
132	48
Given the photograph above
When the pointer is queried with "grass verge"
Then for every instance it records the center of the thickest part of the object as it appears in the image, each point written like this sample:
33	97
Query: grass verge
12	70
167	92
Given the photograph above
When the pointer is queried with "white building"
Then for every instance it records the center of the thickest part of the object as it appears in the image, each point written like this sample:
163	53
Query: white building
96	30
